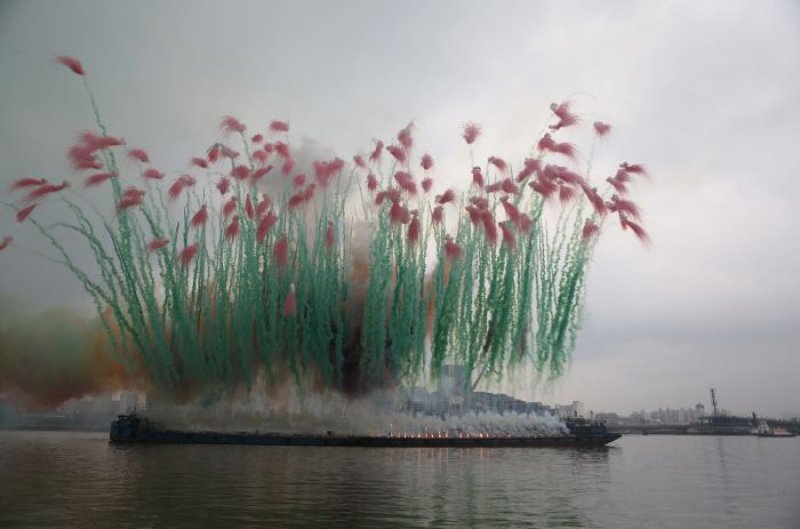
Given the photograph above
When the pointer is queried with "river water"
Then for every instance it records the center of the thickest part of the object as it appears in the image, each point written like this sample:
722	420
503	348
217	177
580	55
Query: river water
54	479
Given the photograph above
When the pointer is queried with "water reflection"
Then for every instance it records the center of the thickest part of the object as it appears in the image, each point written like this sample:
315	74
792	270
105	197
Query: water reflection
56	480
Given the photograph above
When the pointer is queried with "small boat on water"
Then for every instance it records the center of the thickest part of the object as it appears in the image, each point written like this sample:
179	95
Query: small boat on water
765	430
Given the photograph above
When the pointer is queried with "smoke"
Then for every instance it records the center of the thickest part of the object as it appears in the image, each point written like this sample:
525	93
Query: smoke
59	354
295	410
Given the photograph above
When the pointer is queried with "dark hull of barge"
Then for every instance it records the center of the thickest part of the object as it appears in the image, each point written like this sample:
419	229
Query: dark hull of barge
126	430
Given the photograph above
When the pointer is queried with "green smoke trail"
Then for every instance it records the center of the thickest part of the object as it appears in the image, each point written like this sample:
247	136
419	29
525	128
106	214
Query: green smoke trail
220	319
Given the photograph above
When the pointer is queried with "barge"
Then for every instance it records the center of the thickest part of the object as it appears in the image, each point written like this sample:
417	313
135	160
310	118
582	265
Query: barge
131	428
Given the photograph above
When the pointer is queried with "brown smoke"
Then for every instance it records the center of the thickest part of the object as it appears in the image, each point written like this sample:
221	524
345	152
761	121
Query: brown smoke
48	358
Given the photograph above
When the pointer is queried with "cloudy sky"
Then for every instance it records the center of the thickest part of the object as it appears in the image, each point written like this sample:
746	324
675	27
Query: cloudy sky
704	93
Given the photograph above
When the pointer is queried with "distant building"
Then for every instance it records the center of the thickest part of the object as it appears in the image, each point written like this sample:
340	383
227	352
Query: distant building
700	410
576	409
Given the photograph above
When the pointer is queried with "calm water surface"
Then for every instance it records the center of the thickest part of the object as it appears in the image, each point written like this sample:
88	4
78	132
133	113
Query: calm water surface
79	480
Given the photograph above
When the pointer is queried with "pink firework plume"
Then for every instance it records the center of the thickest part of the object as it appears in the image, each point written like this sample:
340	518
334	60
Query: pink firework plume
263	206
489	226
325	171
83	158
567	149
532	166
132	191
156	244
287	167
281	252
399	214
565	116
248	207
200	162
260	173
512	212
480	202
427	183
595	200
564	175
229	153
279	126
229	207
27	182
372	182
308	194
44	190
330	236
282	149
397	152
508	236
95	142
525	223
240	172
499	163
566	194
547	143
200	218
5	243
25	212
590	229
508	186
477	177
127	202
213	153
618	186
97	179
260	157
231	124
636	228
375	155
139	155
546	188
413	230
451	249
404	137
494	188
296	200
290	305
264	225
223	186
153	174
448	196
72	63
175	190
625	207
406	182
232	231
633	168
426	162
257	138
359	161
474	214
437	214
471	132
601	129
187	255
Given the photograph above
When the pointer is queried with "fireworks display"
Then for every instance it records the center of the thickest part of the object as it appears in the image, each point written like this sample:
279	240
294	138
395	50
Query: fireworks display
351	277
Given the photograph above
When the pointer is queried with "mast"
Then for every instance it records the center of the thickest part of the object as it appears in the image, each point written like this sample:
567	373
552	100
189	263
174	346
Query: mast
714	402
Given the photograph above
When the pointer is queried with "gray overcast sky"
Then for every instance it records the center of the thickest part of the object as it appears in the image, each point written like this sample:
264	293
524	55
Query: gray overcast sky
704	93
